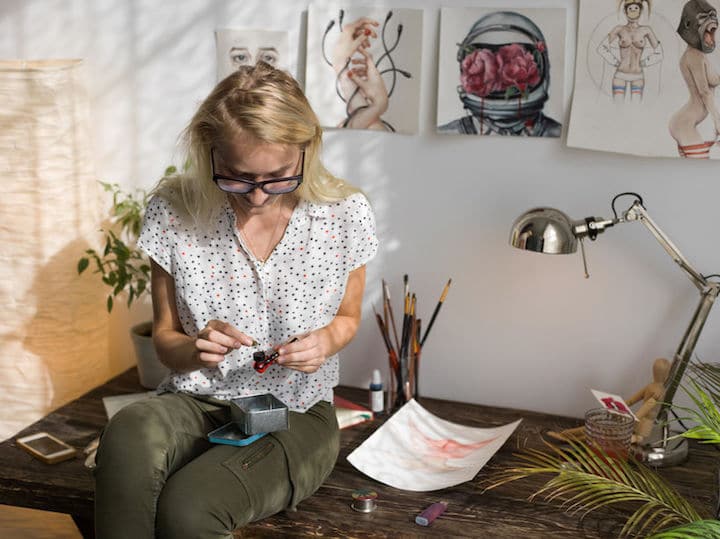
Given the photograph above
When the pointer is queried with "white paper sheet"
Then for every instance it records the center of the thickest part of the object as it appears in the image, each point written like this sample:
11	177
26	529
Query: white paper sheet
415	450
236	47
395	48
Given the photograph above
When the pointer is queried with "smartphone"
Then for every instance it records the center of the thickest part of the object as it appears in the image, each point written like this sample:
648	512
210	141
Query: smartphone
46	447
230	434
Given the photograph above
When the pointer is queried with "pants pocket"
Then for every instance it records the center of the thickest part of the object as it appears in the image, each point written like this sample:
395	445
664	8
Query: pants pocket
248	457
262	469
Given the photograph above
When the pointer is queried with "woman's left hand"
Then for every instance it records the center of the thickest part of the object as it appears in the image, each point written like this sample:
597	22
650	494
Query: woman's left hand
307	354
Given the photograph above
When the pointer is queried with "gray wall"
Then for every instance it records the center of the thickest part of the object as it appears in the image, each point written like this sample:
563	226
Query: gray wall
517	329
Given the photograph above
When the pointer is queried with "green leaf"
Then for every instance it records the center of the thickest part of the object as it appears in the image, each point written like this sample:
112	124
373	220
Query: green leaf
118	288
585	479
701	529
706	413
121	266
170	170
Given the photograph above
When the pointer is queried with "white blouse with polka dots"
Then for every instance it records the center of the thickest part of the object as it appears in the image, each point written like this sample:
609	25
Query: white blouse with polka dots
296	290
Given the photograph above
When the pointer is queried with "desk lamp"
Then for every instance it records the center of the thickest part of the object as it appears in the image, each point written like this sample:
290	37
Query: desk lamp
547	230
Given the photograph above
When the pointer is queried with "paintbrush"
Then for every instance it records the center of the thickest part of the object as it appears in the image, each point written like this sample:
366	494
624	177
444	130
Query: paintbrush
411	345
404	339
386	293
418	351
435	312
383	330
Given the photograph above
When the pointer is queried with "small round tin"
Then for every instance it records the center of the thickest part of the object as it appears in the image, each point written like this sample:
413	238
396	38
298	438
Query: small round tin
364	500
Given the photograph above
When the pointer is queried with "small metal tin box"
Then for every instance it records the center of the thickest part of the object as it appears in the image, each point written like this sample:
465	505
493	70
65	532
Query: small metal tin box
259	413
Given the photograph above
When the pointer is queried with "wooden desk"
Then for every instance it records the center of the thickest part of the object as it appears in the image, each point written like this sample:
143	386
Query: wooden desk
504	512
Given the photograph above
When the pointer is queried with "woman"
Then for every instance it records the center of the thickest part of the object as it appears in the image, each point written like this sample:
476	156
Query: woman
258	244
632	39
698	24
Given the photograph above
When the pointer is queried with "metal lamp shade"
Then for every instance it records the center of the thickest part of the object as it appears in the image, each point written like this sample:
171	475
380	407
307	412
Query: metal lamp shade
544	230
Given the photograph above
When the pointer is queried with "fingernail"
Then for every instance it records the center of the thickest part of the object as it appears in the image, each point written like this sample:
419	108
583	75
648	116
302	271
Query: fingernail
367	32
281	351
237	344
350	73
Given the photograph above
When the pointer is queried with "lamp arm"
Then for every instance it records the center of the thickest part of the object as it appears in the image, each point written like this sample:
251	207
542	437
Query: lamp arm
637	212
709	291
687	345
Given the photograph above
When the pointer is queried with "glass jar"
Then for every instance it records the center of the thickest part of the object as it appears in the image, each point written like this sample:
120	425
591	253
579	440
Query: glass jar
611	433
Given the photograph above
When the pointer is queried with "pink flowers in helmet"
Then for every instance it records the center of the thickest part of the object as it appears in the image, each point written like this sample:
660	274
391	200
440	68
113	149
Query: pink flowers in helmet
483	71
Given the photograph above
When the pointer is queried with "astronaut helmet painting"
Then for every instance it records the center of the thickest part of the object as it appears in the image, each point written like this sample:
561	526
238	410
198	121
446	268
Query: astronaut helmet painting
504	72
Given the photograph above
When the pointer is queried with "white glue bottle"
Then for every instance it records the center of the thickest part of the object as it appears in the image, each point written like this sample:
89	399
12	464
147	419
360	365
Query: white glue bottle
376	393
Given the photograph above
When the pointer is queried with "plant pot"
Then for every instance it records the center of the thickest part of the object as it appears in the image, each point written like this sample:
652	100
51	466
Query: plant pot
150	370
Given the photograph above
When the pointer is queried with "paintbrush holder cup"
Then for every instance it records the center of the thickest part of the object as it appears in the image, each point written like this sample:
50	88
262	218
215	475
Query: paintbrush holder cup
400	389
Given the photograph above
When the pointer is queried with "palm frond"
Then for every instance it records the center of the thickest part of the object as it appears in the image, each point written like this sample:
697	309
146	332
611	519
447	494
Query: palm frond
702	529
706	415
586	479
707	375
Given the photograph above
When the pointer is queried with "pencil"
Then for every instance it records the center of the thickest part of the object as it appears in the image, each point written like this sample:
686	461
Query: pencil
435	312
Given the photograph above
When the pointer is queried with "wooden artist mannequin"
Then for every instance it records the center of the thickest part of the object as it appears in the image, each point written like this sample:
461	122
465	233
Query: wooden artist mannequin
651	396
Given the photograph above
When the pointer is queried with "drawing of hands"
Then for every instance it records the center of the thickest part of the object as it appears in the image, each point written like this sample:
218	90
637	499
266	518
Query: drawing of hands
370	101
354	36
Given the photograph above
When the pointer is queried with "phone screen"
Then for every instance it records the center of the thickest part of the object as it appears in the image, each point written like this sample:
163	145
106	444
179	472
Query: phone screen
45	445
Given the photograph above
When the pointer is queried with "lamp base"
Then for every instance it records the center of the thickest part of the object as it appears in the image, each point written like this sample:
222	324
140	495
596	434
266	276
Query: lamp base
664	452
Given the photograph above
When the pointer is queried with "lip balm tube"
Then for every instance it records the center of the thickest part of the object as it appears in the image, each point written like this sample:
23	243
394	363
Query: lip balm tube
431	513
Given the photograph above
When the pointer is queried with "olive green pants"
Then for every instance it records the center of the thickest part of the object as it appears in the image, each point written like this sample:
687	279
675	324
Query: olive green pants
158	476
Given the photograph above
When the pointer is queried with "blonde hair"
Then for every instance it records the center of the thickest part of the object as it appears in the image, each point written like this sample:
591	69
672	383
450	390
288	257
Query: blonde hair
268	104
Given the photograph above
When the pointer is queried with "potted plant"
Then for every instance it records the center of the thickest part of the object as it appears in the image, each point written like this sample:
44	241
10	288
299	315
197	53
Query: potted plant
126	270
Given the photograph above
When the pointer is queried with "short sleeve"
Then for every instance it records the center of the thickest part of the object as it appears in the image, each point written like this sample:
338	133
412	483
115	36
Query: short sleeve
363	238
155	233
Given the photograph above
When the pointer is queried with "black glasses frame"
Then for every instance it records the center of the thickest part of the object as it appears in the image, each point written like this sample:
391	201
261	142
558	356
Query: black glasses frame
298	178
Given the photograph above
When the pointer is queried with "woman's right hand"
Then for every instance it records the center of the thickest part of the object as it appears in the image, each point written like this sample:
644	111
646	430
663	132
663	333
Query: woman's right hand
217	339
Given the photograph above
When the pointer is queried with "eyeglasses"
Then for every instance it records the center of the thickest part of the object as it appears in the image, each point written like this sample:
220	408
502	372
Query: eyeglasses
277	186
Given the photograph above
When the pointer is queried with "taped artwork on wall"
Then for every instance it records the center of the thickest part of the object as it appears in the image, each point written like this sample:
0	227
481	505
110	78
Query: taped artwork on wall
416	450
644	80
501	72
236	47
363	67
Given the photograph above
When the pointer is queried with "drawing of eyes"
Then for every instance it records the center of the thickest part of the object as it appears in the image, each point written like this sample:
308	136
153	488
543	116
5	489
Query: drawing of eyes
240	56
269	55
